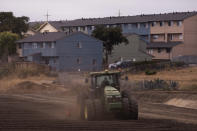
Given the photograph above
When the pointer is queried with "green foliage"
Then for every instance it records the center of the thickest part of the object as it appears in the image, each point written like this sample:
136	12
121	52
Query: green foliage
150	72
159	84
7	43
110	36
17	25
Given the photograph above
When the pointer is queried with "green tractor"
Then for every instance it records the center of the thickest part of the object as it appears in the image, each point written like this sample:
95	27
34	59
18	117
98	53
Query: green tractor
105	97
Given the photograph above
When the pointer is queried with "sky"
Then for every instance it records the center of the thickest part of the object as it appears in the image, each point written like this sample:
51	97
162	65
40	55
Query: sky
36	10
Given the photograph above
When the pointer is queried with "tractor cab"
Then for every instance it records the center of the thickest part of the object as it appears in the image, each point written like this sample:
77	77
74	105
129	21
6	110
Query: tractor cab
106	78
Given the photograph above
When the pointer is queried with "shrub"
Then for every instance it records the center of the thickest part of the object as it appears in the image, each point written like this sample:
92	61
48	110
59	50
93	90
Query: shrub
150	72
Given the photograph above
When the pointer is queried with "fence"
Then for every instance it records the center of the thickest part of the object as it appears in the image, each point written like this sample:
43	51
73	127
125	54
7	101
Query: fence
23	69
32	66
156	84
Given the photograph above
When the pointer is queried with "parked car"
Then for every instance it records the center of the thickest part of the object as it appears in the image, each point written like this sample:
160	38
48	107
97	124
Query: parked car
120	64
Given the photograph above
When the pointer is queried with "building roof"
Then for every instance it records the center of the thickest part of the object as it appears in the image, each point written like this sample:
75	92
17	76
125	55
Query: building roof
43	37
162	44
176	16
50	37
35	25
57	24
130	19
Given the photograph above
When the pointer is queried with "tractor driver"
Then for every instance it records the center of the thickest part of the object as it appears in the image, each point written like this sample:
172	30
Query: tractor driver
104	82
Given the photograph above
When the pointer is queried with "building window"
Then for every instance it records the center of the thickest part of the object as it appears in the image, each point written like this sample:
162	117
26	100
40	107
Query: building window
79	29
150	51
170	23
130	26
78	61
126	26
168	50
27	45
44	45
180	36
82	28
53	45
54	61
159	50
19	45
161	23
154	24
138	25
86	28
94	62
134	25
79	45
155	36
40	45
35	45
147	25
171	37
93	27
179	23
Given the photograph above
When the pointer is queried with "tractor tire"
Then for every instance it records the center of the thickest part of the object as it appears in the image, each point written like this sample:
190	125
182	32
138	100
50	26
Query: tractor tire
82	116
81	102
130	109
126	109
98	109
89	110
133	108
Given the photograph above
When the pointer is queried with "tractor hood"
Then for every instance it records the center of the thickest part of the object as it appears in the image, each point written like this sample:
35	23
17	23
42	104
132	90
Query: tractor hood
113	99
111	91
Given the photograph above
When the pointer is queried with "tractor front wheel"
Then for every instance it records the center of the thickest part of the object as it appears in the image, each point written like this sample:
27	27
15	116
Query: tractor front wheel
89	111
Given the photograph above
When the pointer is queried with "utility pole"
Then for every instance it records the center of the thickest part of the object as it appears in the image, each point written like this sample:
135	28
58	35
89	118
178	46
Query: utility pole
47	15
119	13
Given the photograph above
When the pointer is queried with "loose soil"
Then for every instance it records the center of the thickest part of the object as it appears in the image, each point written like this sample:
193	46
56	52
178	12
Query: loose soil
48	106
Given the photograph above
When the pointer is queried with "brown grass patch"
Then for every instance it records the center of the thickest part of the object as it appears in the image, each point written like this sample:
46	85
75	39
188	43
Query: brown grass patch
9	82
186	77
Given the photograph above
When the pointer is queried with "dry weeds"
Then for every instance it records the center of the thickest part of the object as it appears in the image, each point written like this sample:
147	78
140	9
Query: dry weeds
8	82
186	77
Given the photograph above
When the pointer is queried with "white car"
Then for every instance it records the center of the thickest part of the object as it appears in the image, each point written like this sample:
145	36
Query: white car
112	66
120	64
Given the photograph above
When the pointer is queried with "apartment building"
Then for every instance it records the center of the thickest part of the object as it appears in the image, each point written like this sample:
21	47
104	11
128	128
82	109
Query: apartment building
169	36
174	37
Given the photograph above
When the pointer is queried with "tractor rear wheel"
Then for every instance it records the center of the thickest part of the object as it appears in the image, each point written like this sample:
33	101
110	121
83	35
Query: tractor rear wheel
98	109
126	108
133	108
130	109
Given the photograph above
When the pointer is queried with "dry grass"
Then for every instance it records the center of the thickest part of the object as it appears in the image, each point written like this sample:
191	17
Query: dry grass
9	82
186	77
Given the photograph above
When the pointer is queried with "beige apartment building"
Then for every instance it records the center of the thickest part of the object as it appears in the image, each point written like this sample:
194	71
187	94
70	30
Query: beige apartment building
174	39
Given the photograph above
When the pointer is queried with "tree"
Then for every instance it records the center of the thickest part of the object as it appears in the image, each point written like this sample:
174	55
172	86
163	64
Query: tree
8	22
7	44
110	36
